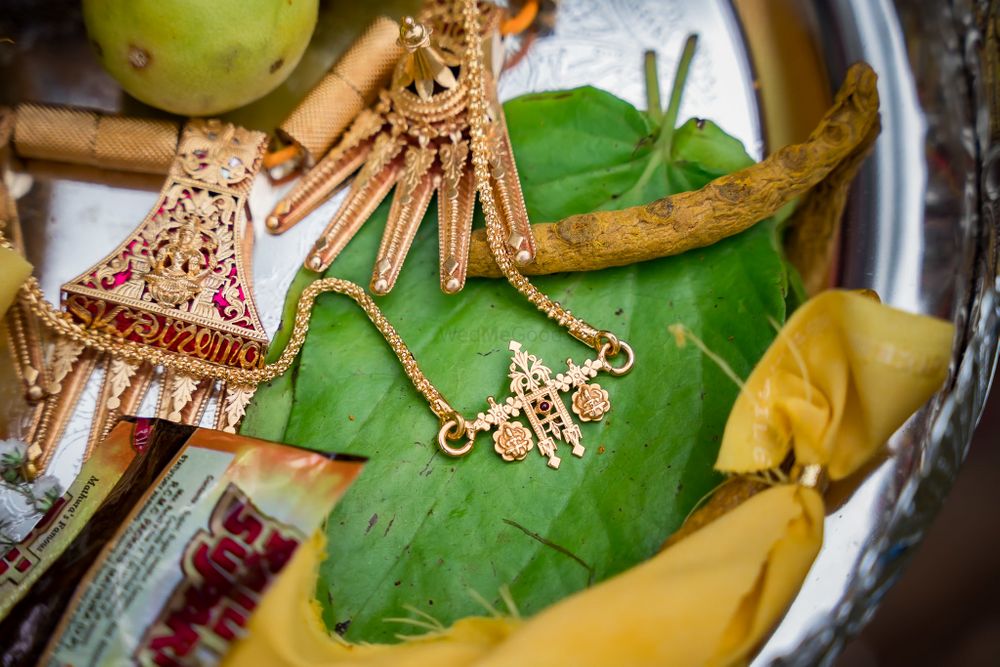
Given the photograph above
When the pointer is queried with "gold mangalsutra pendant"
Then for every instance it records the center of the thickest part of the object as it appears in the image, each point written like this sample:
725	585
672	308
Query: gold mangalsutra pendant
417	139
538	394
178	287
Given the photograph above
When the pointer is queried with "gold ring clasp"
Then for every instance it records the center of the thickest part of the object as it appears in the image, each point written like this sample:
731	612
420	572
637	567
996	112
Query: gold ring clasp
607	339
608	350
454	429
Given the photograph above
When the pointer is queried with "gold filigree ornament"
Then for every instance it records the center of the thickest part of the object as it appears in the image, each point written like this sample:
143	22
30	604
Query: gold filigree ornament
591	402
174	299
417	139
536	392
512	441
537	395
438	131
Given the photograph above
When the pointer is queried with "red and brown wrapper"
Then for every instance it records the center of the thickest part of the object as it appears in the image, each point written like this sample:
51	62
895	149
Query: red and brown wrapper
164	545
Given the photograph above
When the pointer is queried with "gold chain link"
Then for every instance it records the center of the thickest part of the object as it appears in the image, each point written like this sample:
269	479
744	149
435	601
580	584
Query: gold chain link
478	120
135	353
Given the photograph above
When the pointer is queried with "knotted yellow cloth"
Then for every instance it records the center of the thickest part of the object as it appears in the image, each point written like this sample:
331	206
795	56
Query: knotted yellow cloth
843	374
14	270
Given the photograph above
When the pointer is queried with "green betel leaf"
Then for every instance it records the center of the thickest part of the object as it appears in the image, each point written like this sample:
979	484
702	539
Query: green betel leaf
424	530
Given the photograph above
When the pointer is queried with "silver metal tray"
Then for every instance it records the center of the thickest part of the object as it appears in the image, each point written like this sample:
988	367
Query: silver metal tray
921	225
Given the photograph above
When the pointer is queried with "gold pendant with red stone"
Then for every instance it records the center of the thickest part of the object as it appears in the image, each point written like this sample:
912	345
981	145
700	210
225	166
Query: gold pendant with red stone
537	393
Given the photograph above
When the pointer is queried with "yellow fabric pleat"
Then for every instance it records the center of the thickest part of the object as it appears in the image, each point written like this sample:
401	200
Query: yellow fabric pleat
708	600
286	629
14	270
842	375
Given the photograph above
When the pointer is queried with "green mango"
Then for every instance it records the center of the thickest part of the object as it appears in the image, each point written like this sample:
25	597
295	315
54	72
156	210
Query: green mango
198	58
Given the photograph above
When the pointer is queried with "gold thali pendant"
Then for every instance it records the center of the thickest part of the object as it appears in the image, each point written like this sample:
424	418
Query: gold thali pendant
537	393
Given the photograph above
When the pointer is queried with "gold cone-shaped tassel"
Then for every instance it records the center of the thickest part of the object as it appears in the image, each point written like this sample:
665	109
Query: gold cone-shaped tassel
413	194
424	64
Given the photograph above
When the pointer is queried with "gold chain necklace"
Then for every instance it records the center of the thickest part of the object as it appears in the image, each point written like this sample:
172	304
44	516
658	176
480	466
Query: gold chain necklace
536	391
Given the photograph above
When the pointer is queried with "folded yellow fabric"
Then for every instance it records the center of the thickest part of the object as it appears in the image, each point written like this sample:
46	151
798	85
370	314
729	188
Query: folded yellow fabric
14	270
286	629
843	374
707	600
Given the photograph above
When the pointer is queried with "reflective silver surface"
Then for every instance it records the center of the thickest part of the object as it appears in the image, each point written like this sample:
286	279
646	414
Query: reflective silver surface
601	43
921	229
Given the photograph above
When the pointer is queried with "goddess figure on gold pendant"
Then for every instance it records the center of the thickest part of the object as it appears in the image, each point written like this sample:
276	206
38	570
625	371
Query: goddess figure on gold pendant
416	138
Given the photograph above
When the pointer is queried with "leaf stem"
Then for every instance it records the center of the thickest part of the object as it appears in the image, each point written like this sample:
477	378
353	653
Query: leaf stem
652	87
668	120
666	140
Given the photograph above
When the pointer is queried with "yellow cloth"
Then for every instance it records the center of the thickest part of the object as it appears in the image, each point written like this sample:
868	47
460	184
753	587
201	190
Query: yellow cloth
707	600
710	599
286	629
843	374
14	270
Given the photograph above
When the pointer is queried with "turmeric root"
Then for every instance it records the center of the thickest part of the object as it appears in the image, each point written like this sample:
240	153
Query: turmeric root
726	206
813	229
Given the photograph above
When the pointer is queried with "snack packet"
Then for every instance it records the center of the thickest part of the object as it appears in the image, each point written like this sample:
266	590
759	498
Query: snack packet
132	456
170	566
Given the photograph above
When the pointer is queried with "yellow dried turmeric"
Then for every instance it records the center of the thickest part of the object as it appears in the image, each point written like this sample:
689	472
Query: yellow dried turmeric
811	240
724	207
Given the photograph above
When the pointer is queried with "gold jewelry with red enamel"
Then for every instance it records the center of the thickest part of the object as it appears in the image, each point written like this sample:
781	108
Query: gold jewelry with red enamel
536	392
175	293
537	395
